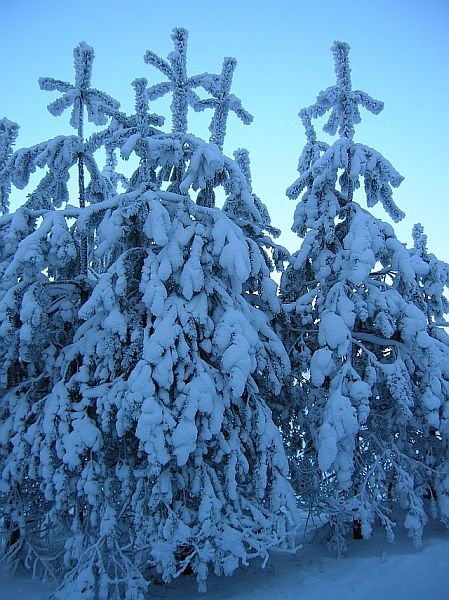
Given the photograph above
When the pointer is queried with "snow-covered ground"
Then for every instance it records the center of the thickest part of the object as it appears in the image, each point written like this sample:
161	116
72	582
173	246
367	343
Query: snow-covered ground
372	570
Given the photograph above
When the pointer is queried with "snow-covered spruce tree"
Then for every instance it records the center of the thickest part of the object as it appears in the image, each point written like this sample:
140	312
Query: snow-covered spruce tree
153	447
368	427
430	295
42	286
84	99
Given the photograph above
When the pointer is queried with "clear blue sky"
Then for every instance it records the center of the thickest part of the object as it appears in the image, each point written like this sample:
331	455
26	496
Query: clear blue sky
399	54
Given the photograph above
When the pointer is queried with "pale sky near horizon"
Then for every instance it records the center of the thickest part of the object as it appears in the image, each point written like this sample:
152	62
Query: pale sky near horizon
399	53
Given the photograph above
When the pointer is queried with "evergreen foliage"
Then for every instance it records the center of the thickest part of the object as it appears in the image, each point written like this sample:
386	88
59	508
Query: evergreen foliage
8	135
364	328
158	398
99	106
222	102
136	437
179	84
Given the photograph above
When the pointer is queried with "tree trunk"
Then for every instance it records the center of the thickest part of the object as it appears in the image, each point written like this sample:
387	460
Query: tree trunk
82	200
82	203
357	529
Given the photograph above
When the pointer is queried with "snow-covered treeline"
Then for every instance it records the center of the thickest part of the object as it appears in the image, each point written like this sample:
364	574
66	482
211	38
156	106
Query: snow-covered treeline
163	410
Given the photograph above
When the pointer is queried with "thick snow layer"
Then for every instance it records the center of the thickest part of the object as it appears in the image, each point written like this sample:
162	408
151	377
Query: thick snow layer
373	569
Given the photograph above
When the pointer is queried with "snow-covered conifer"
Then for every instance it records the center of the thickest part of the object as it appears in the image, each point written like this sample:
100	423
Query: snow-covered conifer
369	395
180	452
41	289
8	135
98	105
148	443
